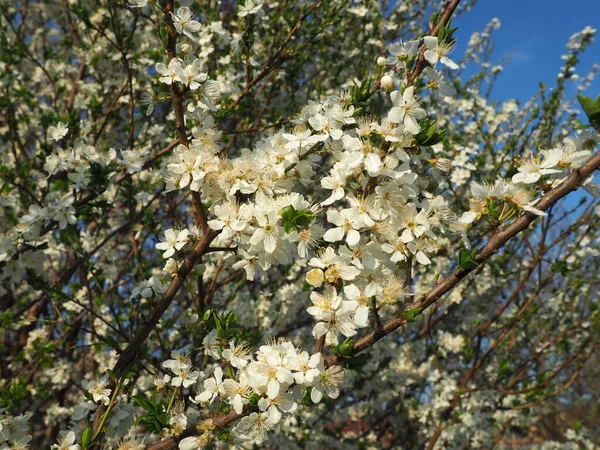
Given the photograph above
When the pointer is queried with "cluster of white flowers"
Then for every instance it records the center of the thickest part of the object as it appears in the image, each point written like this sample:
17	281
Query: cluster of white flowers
60	210
328	224
274	380
554	165
14	431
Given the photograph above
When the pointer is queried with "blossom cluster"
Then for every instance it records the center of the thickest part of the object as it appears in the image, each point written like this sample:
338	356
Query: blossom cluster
273	380
300	215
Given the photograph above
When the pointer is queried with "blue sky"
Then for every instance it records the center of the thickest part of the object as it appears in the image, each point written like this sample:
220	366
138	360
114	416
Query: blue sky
535	33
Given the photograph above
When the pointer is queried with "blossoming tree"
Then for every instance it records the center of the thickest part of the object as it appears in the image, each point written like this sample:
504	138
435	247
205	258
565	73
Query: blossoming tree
289	224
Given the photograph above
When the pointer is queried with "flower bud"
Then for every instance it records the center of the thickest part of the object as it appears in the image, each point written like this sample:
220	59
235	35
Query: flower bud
185	48
387	83
171	266
381	61
315	277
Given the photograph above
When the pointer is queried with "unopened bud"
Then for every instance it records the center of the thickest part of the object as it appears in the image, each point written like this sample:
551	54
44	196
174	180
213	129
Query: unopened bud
387	83
381	61
185	48
315	277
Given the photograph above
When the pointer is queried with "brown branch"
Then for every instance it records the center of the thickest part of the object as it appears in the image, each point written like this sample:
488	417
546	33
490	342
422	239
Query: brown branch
571	183
442	21
276	59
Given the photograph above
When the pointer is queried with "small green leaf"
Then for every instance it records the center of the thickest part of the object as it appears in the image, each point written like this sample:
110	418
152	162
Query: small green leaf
345	348
294	219
560	267
589	106
224	435
504	368
411	314
356	362
253	399
86	438
466	259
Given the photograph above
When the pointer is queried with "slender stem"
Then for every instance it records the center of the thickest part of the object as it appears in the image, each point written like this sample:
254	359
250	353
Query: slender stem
172	399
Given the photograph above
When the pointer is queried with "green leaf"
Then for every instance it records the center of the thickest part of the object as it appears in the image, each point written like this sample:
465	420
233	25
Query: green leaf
560	267
504	369
294	219
344	349
224	435
253	399
466	259
356	362
428	135
86	438
411	314
493	209
589	106
143	402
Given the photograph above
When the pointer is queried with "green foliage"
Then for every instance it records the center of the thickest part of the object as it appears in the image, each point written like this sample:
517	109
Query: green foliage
13	393
253	399
412	314
344	349
86	438
428	135
466	259
156	417
360	94
294	220
591	109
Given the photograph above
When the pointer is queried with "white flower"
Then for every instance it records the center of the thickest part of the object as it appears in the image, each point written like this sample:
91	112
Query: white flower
184	377
348	221
373	165
184	23
65	442
250	7
174	72
335	315
173	240
402	52
268	377
406	110
237	354
335	182
211	344
307	368
327	125
194	76
437	84
335	266
256	424
237	394
230	220
522	199
193	443
56	133
533	169
438	51
97	388
327	383
212	387
178	362
146	98
315	277
415	223
268	231
273	406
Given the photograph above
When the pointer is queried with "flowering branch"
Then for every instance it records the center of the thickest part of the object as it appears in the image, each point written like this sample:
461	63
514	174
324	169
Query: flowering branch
572	183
